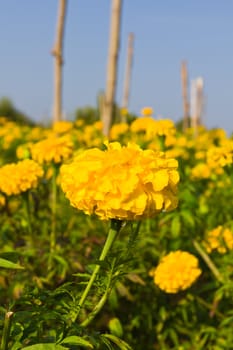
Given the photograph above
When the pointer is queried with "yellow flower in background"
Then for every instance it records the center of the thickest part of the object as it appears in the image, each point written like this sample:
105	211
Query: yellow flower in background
53	149
118	130
62	126
23	150
220	239
37	133
201	171
19	177
147	111
124	111
2	200
176	271
125	183
220	156
165	127
153	128
142	124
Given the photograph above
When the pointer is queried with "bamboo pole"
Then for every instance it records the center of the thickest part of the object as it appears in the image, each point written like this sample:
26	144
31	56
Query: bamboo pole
184	83
112	66
57	52
200	100
194	106
128	70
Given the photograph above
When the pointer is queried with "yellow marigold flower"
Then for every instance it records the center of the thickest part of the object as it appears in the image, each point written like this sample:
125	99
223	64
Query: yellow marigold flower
220	156
220	239
53	149
2	200
117	130
19	177
98	125
62	126
165	127
79	123
176	271
124	111
147	111
142	124
124	183
201	171
23	150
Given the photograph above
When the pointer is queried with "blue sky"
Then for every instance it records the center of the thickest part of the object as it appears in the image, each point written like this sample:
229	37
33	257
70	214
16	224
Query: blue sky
166	32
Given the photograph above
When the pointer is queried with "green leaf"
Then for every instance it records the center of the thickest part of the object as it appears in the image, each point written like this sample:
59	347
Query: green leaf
175	226
75	340
45	346
188	217
115	327
119	342
6	264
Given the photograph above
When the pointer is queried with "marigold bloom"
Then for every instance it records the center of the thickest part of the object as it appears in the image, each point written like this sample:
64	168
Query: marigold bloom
19	177
2	200
220	239
53	149
117	130
62	126
124	183
220	156
147	111
201	171
176	271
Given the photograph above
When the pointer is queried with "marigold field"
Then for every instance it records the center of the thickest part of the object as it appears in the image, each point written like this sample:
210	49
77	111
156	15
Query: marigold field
119	243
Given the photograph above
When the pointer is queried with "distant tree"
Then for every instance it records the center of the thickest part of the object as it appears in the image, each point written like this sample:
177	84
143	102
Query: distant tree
88	114
180	124
8	110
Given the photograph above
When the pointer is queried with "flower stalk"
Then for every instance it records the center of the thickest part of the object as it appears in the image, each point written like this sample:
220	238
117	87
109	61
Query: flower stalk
112	234
6	330
27	213
208	262
54	210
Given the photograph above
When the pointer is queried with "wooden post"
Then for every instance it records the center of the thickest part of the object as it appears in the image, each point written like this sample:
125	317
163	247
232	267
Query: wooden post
184	83
128	69
194	106
112	66
200	100
196	103
57	52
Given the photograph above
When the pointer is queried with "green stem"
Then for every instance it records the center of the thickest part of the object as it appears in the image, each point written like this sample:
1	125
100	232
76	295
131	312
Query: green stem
113	231
6	330
26	205
208	262
101	302
209	306
54	210
133	236
53	235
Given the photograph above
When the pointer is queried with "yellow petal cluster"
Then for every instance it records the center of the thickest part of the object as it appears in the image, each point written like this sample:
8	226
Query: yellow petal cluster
220	156
201	171
117	130
53	149
152	127
176	271
220	239
122	182
2	200
19	177
62	126
147	111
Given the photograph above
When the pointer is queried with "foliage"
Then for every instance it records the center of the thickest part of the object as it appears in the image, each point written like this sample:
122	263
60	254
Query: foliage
7	109
50	250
